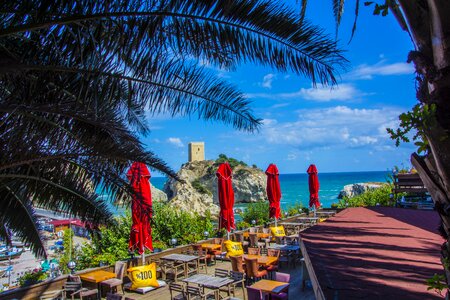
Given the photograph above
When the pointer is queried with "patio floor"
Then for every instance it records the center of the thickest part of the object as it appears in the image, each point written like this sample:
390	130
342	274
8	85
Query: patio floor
295	289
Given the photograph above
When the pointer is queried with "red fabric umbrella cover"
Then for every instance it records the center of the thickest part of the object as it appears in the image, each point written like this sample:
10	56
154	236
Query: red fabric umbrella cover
313	181
226	196
273	191
141	208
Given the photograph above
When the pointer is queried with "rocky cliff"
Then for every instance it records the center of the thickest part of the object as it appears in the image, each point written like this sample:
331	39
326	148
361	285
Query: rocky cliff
351	190
199	190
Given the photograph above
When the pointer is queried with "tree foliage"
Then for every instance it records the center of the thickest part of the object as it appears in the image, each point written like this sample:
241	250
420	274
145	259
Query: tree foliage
111	243
78	78
232	161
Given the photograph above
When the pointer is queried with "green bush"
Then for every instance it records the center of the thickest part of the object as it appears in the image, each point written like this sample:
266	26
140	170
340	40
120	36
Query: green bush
232	161
379	196
185	226
68	254
111	244
295	209
258	211
200	187
32	277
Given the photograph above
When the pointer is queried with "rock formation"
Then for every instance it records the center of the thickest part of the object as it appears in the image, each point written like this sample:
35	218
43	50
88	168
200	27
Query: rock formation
157	194
199	190
351	190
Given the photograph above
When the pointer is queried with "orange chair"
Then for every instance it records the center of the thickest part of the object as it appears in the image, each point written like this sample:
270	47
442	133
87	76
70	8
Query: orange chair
237	263
253	251
252	270
274	267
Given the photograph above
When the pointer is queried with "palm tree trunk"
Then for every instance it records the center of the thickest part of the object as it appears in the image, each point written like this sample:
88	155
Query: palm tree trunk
429	25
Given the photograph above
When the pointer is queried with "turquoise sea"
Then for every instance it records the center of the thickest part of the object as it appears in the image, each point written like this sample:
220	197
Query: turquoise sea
294	187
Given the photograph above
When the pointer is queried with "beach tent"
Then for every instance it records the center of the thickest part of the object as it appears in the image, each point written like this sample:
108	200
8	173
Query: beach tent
313	181
141	209
226	197
273	192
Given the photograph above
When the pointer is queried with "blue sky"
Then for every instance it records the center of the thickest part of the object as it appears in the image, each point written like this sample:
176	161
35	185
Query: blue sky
339	130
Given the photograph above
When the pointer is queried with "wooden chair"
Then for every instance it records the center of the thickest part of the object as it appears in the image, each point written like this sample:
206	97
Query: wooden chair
221	273
238	279
253	240
237	263
218	253
253	230
72	285
170	268
252	270
111	296
283	277
253	251
177	288
274	267
254	294
194	292
239	237
113	283
86	294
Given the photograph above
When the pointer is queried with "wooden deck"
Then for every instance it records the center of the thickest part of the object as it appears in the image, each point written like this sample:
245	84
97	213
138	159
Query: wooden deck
295	289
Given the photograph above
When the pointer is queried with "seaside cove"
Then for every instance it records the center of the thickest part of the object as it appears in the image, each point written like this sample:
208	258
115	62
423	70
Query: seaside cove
294	187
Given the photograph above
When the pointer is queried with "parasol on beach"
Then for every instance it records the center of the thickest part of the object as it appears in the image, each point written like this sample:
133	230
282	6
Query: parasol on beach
313	181
273	192
141	209
226	197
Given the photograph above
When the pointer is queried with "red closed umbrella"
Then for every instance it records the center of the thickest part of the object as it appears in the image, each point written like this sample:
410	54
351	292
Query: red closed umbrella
226	196
273	191
141	208
313	181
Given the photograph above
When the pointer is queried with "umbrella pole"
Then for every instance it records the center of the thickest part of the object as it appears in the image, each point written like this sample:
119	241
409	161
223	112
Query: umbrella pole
275	222
228	235
143	258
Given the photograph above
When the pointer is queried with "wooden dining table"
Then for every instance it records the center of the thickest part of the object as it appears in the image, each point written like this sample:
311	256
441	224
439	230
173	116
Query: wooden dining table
97	277
210	247
263	260
260	235
183	258
211	282
270	286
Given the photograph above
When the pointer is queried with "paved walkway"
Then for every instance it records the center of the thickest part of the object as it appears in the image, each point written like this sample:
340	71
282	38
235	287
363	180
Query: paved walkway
376	253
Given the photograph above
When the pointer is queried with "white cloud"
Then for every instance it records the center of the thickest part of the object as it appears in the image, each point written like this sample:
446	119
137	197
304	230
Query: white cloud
342	92
267	81
338	126
379	69
176	142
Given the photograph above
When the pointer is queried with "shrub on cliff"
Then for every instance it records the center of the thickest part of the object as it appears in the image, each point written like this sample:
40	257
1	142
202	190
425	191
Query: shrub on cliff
232	161
379	196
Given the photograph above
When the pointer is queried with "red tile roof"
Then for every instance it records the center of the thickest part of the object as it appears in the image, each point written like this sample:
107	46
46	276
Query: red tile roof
375	253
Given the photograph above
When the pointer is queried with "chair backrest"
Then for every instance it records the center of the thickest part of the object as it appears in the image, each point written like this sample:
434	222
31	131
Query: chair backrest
237	276
266	230
283	277
218	241
72	286
193	291
253	239
253	294
73	278
176	287
253	251
239	237
119	269
253	230
197	247
273	252
236	263
221	272
251	265
111	296
280	240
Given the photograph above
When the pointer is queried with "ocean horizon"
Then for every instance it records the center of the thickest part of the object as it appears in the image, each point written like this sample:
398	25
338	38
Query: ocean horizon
294	186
